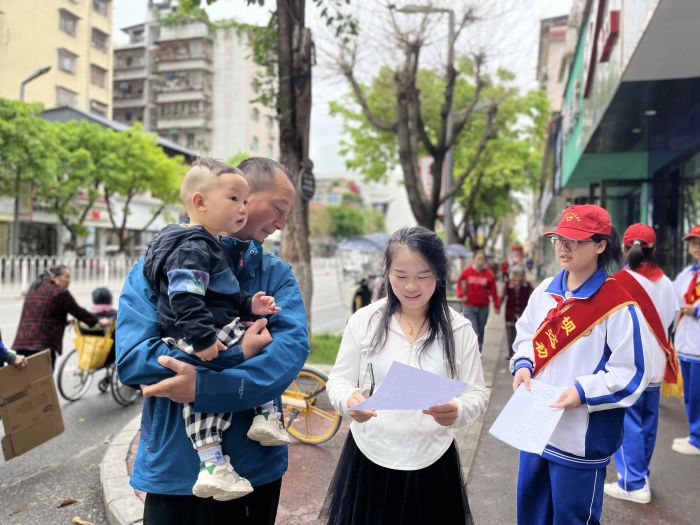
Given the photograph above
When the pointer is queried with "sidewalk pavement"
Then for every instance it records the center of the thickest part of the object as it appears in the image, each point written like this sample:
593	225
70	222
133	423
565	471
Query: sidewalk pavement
310	467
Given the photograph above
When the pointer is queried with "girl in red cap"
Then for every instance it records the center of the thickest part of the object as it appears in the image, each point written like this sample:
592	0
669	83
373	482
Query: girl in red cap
654	292
581	329
687	287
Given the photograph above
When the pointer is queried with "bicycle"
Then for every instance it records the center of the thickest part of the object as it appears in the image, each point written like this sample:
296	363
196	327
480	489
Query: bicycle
309	416
75	379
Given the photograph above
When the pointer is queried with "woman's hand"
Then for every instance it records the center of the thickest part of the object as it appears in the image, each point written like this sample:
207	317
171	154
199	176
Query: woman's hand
522	376
444	415
569	398
359	415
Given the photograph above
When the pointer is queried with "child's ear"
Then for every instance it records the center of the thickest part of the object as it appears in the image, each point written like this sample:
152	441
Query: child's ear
198	201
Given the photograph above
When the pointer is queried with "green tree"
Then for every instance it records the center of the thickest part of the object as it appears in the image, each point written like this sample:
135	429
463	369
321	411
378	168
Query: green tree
319	222
84	157
143	169
496	149
373	220
28	149
345	222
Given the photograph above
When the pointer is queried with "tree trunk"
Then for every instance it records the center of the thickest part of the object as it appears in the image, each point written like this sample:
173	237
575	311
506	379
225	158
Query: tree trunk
295	53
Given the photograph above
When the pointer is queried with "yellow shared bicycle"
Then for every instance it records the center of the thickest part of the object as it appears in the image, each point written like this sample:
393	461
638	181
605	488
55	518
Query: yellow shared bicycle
308	414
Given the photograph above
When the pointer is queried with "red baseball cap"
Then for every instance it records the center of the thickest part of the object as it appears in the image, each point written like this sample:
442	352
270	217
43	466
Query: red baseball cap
581	221
694	232
639	232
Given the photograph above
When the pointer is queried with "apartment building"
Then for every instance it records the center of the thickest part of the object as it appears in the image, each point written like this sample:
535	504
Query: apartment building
192	84
72	38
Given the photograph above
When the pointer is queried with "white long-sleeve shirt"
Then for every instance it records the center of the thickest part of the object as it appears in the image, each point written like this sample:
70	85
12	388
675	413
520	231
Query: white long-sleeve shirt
664	297
687	338
611	367
404	439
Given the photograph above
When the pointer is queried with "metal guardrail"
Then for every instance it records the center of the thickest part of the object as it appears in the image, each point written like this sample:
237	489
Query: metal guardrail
17	273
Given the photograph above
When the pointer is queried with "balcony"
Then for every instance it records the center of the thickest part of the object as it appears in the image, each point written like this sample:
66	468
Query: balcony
130	74
128	103
183	122
184	32
183	95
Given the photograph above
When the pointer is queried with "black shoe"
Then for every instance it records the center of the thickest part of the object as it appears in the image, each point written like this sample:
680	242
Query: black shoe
103	385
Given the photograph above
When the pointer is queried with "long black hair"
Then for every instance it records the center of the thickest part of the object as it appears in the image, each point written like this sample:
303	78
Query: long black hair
612	255
427	244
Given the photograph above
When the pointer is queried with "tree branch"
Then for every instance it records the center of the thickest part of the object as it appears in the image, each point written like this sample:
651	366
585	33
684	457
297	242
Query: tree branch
479	152
347	69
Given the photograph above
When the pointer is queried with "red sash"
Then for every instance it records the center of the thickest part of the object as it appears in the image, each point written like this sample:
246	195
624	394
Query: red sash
651	315
692	294
574	318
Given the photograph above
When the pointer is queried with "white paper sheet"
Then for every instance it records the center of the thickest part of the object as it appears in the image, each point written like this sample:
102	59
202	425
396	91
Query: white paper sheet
409	388
527	421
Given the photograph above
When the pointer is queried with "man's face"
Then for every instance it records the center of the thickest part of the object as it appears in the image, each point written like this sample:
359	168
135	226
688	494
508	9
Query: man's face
268	209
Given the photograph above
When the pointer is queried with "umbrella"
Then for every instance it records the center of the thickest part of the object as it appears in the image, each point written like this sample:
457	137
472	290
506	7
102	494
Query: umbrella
457	250
373	242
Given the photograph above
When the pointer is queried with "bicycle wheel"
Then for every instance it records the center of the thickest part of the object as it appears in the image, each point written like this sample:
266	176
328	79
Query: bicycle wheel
122	394
308	413
73	382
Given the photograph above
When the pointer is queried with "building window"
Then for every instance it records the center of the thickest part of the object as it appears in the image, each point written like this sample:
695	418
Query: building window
129	61
101	6
100	40
255	114
190	140
270	122
65	97
67	61
269	150
68	22
98	108
98	75
254	144
127	116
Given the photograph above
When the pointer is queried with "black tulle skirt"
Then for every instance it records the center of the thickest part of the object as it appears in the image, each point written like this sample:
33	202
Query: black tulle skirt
363	493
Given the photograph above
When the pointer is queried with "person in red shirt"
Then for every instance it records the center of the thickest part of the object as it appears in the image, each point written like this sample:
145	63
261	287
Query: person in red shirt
474	286
517	292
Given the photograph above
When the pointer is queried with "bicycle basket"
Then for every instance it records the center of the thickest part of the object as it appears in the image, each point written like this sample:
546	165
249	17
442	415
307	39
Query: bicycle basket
93	350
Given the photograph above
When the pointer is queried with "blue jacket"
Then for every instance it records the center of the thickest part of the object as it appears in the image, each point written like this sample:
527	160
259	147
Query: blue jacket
166	462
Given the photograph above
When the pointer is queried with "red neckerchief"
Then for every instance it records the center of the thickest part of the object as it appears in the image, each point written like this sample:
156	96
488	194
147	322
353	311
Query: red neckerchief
692	294
649	270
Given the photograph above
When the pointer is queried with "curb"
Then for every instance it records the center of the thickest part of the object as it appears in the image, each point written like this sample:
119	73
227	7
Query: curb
122	505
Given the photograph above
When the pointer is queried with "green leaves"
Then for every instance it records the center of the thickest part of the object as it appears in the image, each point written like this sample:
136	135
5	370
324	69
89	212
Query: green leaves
71	165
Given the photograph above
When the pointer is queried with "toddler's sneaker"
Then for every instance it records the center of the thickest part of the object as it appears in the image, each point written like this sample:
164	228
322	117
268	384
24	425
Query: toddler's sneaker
614	490
267	429
220	482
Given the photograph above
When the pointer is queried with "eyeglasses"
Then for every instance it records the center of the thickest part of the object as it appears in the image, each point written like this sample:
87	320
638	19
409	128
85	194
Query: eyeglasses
567	244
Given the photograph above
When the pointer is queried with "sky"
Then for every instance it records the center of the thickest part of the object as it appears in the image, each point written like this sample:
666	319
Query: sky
509	35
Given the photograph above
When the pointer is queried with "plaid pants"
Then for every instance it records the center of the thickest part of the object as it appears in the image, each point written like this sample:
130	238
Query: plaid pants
204	428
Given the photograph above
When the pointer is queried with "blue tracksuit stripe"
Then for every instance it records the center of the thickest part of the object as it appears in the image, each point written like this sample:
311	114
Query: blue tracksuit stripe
636	380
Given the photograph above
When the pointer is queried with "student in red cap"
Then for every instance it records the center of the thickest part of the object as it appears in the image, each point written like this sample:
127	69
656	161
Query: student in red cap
654	293
687	287
581	329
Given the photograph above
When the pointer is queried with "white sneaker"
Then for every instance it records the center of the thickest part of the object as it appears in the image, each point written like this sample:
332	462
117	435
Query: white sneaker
685	447
268	431
614	490
220	482
679	440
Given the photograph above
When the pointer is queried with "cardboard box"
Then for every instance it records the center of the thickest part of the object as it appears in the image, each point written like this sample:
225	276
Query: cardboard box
29	405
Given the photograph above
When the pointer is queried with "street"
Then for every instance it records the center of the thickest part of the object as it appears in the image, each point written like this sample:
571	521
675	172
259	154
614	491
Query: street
33	486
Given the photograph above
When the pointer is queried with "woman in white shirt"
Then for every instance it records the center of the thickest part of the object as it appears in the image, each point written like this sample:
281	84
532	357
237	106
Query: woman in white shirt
402	466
